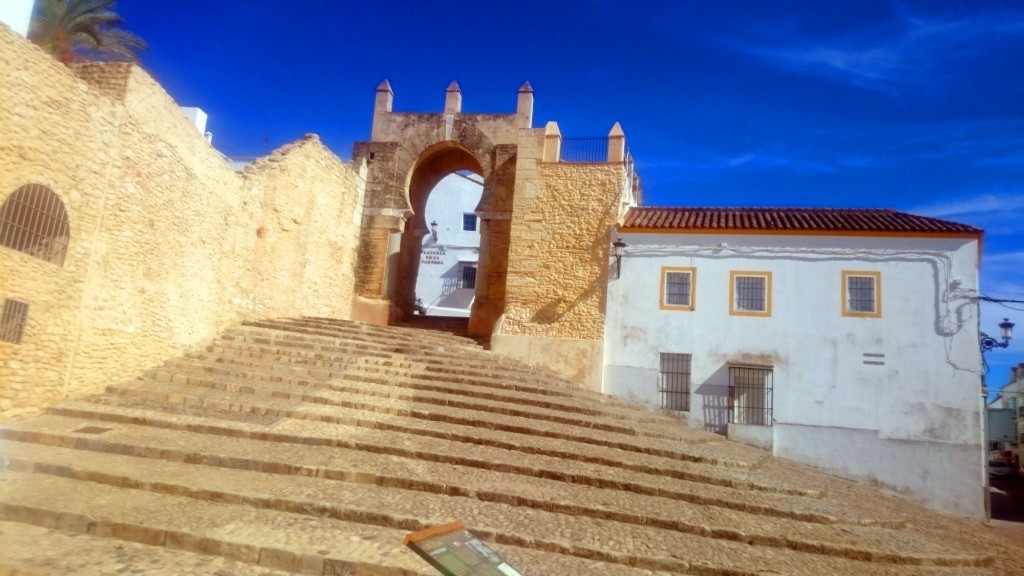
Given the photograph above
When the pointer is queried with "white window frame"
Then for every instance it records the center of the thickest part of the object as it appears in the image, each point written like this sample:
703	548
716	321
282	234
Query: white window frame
876	277
692	300
734	307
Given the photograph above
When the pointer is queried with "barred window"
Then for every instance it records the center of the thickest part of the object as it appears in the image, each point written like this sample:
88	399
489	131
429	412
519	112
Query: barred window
862	294
750	395
468	276
12	321
33	221
750	293
674	384
677	288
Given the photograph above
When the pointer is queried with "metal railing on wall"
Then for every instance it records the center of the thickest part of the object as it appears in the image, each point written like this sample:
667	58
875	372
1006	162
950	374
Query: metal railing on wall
585	149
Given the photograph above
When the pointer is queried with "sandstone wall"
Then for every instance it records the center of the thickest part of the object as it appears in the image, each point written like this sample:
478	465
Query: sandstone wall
558	265
559	253
168	246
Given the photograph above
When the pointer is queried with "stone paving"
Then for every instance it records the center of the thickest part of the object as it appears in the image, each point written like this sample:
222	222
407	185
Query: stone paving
313	446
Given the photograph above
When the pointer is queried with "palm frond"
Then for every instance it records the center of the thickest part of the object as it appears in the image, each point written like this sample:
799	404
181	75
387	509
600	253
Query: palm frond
83	30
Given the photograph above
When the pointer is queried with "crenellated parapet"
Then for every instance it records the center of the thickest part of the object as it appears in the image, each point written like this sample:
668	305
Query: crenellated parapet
547	206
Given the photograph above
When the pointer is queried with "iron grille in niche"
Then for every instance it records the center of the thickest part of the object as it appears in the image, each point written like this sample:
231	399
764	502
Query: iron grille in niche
13	320
469	276
750	395
750	293
33	220
677	288
674	384
862	293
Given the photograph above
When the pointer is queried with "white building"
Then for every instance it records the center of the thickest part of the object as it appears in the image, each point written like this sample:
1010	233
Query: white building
446	282
844	339
1011	397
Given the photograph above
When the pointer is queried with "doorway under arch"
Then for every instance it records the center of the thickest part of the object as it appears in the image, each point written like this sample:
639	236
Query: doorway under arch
446	282
434	165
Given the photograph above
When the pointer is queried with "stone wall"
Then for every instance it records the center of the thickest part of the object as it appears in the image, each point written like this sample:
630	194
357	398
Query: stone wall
559	253
558	265
168	245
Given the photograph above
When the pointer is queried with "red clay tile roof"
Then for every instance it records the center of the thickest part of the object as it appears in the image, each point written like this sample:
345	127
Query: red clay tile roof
790	219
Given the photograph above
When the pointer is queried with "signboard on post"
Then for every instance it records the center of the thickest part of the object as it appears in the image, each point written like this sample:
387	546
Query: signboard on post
455	551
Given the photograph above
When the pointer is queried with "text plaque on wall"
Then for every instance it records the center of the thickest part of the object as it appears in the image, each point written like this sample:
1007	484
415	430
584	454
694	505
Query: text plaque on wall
455	551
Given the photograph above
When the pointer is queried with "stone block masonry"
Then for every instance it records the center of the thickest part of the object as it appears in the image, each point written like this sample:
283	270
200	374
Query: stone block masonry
558	259
558	267
168	246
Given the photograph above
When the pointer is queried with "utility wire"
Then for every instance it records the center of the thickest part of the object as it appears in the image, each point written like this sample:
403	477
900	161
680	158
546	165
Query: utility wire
998	300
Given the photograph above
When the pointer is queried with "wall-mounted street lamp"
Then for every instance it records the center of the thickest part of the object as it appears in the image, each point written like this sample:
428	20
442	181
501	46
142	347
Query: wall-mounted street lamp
433	230
1005	332
617	247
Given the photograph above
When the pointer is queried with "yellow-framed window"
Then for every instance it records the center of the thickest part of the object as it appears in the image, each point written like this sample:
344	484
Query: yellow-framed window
678	288
750	293
862	293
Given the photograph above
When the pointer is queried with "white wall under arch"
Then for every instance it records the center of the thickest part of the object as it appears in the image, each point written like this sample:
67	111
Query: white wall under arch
438	285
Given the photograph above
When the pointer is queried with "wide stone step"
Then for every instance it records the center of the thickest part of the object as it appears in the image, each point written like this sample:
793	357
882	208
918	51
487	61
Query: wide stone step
292	542
649	540
410	375
328	406
311	383
410	331
420	340
404	376
441	365
409	346
467	361
349	327
29	550
372	446
456	368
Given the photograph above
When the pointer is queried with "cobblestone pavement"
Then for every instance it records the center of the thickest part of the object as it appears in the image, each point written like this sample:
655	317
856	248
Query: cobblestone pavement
313	446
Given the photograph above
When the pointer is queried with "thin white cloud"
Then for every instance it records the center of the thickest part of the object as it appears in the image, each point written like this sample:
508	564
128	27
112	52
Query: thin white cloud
1007	258
913	51
758	160
982	204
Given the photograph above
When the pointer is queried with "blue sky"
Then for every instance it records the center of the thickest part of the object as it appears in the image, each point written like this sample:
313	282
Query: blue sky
916	106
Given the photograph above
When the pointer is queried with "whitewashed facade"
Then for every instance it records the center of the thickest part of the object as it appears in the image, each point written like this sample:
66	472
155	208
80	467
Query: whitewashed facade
853	352
446	282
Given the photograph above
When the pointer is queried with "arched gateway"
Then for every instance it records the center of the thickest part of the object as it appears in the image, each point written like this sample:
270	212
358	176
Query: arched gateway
545	226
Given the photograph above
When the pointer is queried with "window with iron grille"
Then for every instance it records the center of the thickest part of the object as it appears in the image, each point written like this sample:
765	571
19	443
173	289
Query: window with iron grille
862	294
12	321
677	288
33	221
469	222
469	275
750	395
750	293
674	384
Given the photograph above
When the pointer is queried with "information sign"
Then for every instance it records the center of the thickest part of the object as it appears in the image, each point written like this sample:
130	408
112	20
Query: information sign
455	551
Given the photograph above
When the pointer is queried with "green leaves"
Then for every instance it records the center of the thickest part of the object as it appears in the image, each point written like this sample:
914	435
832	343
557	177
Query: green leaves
83	31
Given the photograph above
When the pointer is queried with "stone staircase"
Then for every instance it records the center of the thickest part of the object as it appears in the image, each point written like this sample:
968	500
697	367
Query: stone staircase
447	324
313	446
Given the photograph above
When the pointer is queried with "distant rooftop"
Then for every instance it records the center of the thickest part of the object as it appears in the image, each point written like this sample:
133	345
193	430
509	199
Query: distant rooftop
790	219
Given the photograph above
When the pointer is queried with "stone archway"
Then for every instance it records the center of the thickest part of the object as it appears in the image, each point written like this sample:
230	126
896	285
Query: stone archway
434	165
407	155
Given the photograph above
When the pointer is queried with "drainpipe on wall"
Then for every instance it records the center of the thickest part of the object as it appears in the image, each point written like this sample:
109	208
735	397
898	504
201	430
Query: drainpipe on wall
984	447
